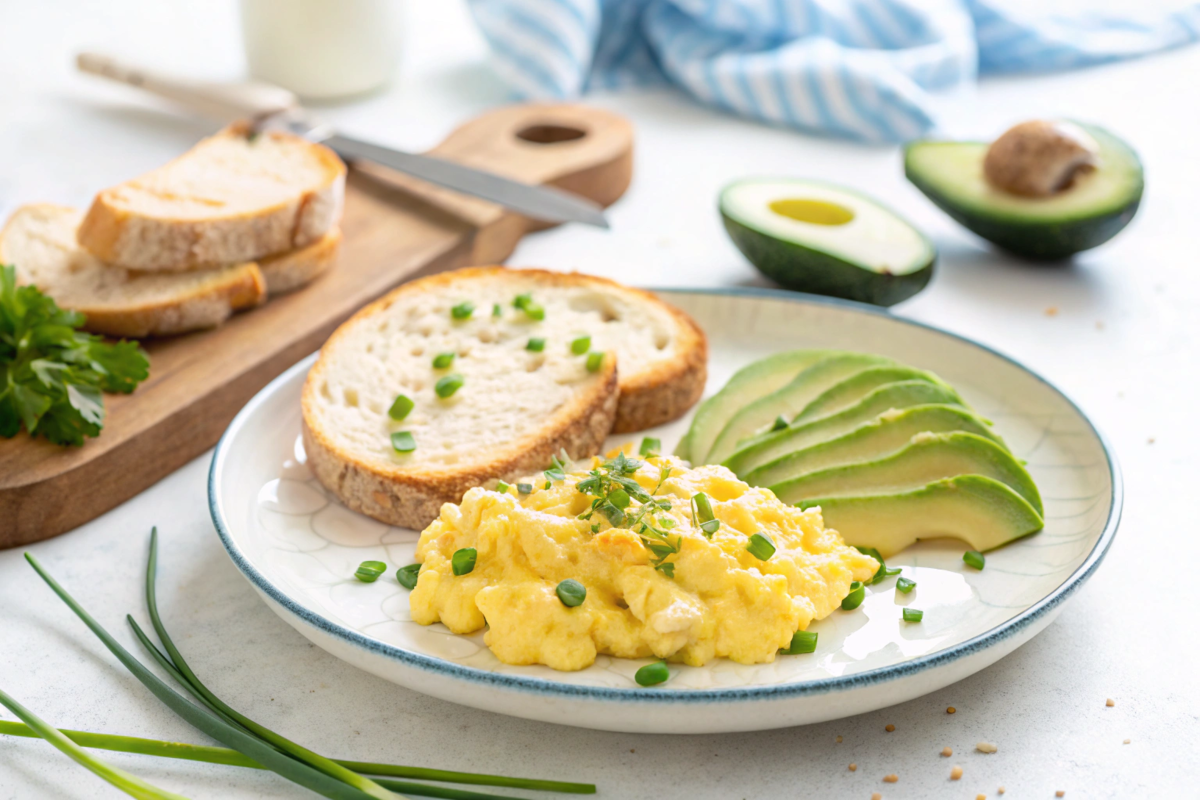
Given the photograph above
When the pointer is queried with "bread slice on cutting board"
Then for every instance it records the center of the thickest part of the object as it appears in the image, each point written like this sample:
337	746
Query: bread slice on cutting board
516	406
236	196
39	240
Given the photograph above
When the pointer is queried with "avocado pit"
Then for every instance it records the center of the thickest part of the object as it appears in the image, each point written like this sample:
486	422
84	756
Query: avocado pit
1040	158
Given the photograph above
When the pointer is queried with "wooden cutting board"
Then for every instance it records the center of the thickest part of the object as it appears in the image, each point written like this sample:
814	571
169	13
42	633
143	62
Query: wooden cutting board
396	228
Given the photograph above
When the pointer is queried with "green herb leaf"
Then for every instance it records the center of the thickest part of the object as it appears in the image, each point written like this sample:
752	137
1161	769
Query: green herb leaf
51	375
401	406
407	576
595	361
497	310
912	615
650	447
463	561
904	585
580	346
702	515
463	310
532	310
448	385
760	546
525	488
536	345
403	442
854	599
652	674
780	423
802	642
973	558
369	571
571	592
443	360
501	487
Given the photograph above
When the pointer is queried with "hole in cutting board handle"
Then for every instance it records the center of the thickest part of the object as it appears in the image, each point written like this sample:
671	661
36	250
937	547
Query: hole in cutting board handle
550	134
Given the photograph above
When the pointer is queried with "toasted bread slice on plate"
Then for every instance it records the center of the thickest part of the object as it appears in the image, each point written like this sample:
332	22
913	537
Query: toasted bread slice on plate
537	357
40	241
236	196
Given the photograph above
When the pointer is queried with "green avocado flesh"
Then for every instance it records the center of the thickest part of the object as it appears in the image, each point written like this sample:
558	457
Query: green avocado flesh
927	458
820	238
982	512
1089	212
789	400
887	433
891	453
766	448
747	384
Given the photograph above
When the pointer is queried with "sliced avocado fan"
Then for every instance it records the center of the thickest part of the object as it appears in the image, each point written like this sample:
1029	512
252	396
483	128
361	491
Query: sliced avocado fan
982	512
852	390
903	394
884	435
821	238
928	457
1088	212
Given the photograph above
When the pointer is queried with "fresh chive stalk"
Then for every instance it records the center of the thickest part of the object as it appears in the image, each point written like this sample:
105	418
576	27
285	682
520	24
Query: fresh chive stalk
403	442
463	561
407	576
400	407
369	571
127	782
650	447
760	546
595	361
905	585
973	558
532	310
448	385
702	515
581	345
854	599
912	615
802	642
536	345
443	360
652	674
496	310
501	487
463	310
571	592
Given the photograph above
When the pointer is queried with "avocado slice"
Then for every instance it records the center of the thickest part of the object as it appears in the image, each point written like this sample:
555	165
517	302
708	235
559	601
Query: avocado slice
1089	212
788	401
747	384
928	457
890	431
982	512
821	238
852	390
902	394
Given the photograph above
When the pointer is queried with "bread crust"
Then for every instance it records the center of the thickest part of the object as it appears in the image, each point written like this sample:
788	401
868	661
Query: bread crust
117	236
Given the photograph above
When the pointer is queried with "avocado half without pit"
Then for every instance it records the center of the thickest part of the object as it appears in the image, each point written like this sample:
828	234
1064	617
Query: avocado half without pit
1046	189
820	238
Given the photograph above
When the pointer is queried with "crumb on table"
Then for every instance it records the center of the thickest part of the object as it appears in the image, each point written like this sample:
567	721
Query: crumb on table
1126	741
947	752
853	767
889	728
1000	790
1109	702
892	778
955	772
986	747
876	796
950	709
1060	793
838	740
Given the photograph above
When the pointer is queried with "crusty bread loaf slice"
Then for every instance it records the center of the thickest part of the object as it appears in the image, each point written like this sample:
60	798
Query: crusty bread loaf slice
40	241
234	197
516	407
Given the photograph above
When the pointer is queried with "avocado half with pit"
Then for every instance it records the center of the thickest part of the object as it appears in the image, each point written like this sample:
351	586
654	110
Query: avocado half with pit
1087	202
820	238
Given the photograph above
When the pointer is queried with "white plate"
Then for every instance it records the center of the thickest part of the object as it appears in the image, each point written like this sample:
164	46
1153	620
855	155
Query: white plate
299	548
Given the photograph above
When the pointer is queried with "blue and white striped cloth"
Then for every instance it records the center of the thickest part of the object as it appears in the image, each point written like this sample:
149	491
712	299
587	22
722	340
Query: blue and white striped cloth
858	68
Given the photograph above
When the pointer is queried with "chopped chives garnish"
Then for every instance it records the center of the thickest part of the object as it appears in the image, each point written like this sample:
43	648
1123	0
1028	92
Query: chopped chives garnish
555	474
525	488
595	361
702	515
547	486
650	446
571	592
802	642
448	385
443	360
400	407
501	487
761	546
890	571
912	615
403	442
581	345
463	310
652	674
407	576
536	345
496	310
880	573
780	423
368	571
463	561
904	585
973	558
531	309
857	594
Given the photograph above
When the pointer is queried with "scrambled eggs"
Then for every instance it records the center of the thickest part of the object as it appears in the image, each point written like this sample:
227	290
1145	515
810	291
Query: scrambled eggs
718	599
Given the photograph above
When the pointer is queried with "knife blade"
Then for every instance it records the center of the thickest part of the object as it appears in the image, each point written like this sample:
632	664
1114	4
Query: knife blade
272	106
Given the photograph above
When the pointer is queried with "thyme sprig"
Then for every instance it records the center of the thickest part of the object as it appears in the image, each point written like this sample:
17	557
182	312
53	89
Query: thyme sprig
613	493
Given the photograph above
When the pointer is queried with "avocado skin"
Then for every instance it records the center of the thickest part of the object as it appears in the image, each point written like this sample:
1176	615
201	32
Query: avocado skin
1037	241
806	270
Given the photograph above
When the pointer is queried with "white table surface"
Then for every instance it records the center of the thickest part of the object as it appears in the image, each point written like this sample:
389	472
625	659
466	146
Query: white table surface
1117	330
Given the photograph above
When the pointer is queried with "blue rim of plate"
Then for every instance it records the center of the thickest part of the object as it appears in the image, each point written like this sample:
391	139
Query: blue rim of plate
542	686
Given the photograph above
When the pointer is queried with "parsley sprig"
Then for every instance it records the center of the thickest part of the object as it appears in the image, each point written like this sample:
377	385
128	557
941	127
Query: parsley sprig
613	493
51	374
